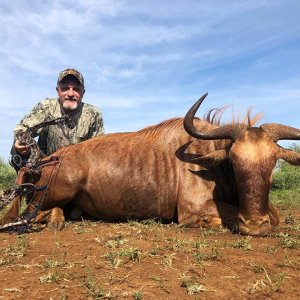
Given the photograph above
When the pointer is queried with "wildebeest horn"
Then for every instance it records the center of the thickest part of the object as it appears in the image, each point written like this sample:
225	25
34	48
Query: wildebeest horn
281	132
225	132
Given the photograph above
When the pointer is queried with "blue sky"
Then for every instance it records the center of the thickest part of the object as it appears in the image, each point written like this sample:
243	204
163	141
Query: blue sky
147	61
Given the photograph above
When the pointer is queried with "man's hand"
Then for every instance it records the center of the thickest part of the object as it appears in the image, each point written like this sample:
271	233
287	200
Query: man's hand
21	148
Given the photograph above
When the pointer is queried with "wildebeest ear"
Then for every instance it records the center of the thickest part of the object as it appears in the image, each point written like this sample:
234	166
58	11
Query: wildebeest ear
211	159
290	156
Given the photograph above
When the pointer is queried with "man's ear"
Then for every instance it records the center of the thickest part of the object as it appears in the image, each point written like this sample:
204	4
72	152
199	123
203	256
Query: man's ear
57	88
83	92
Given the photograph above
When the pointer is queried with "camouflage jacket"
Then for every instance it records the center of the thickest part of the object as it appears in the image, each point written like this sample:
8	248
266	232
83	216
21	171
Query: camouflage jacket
86	123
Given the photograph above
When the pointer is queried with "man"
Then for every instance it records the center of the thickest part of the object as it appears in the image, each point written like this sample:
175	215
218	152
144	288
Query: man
86	120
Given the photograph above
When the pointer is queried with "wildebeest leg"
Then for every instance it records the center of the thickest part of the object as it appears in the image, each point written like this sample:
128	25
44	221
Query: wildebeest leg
220	213
274	219
201	221
210	215
54	218
13	212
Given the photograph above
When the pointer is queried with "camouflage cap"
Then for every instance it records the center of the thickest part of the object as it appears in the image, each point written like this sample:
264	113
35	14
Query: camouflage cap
72	72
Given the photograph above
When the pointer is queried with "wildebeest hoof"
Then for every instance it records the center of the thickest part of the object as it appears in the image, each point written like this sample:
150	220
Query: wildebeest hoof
57	219
56	226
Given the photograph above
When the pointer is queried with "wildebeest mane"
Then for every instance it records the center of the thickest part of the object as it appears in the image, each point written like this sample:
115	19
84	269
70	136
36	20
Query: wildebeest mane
164	126
213	117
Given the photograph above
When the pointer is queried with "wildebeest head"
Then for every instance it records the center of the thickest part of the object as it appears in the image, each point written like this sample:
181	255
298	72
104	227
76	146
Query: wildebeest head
253	153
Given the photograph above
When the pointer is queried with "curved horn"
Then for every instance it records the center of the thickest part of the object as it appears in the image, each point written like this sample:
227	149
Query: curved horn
225	132
281	132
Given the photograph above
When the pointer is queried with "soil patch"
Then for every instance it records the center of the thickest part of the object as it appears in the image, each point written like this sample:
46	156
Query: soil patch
148	260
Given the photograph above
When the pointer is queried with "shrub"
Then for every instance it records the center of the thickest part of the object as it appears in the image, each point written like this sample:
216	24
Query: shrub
285	198
286	176
7	175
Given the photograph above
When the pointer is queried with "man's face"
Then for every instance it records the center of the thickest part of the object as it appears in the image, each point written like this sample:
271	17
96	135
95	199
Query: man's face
70	92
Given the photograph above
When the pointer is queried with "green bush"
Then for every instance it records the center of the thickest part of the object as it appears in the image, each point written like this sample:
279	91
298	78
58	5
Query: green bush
286	176
285	198
7	175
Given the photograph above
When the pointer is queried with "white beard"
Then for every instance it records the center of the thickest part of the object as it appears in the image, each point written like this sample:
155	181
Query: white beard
70	105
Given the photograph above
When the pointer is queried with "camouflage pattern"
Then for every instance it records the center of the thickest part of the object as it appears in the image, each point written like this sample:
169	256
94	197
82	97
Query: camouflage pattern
73	72
87	122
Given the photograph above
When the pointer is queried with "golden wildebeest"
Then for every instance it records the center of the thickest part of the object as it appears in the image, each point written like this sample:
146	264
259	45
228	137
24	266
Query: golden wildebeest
185	170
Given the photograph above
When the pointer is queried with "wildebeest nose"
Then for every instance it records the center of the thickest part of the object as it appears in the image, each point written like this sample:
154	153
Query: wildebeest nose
254	226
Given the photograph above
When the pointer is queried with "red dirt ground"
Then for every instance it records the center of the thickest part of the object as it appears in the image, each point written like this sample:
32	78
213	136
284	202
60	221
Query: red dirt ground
94	260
